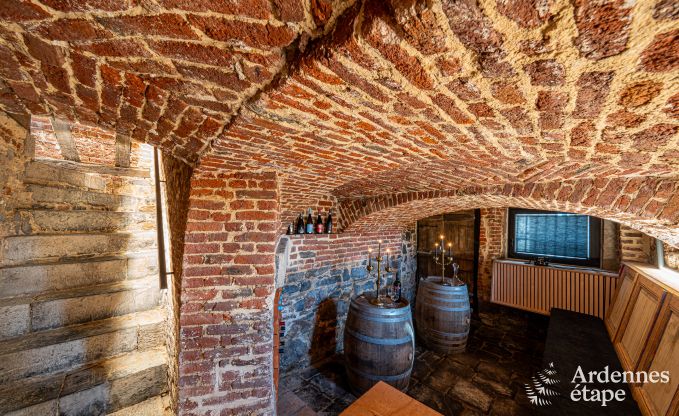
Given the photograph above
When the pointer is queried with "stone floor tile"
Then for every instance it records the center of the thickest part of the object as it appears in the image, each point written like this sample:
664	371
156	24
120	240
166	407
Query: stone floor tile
509	407
434	399
289	403
492	386
495	371
313	397
472	395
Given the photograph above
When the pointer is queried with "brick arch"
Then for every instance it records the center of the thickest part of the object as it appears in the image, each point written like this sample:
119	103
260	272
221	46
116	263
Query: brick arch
650	205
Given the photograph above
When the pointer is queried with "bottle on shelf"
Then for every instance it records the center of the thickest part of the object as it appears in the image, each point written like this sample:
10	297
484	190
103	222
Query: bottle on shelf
289	230
300	224
328	223
397	288
309	223
319	224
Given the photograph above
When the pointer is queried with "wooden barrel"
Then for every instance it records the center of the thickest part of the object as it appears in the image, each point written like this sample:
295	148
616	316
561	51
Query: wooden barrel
379	345
442	315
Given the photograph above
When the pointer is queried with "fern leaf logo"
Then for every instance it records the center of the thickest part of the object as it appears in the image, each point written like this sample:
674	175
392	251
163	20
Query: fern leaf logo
538	392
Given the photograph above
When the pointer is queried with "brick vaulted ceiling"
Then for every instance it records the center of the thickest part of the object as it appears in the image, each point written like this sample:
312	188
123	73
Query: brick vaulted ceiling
362	98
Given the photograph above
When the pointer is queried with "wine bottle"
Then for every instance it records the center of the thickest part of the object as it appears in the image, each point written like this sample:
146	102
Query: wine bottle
328	223
319	224
300	224
397	288
309	223
289	230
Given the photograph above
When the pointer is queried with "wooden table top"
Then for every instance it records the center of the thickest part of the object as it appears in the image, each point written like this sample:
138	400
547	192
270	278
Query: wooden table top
384	400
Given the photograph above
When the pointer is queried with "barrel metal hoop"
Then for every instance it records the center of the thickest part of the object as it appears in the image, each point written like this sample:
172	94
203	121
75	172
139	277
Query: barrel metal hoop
381	378
388	319
449	296
448	334
378	341
445	308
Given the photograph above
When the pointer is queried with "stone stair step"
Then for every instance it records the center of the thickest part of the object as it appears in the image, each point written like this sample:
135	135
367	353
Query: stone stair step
29	249
97	388
155	406
79	305
118	181
84	221
72	346
67	167
50	197
36	279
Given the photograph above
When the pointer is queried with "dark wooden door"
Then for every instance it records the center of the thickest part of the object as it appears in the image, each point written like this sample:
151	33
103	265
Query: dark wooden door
457	228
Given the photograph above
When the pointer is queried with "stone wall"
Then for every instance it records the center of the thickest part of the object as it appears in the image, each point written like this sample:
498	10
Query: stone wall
79	286
322	274
635	245
226	312
671	257
492	246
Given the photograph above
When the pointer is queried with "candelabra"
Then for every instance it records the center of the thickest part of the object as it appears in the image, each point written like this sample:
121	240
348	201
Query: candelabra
379	300
443	259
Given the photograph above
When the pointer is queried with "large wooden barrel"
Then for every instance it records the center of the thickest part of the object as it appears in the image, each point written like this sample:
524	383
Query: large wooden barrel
442	315
379	345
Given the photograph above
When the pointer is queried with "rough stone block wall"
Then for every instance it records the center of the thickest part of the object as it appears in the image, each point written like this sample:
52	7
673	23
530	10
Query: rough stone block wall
78	285
323	273
635	245
671	257
492	246
225	358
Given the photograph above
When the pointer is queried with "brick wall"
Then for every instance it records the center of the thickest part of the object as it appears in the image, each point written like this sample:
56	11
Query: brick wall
650	205
225	357
12	159
177	187
322	274
492	246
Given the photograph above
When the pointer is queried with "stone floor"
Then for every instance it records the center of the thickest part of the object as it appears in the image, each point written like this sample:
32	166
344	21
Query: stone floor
504	350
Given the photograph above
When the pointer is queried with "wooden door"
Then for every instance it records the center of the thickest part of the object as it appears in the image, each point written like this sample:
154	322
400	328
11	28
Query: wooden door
662	354
458	229
635	327
620	301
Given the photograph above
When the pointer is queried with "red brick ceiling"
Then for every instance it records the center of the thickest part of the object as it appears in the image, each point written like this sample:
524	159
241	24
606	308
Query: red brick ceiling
364	99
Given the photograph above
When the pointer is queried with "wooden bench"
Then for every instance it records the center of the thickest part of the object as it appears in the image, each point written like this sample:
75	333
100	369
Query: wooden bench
639	333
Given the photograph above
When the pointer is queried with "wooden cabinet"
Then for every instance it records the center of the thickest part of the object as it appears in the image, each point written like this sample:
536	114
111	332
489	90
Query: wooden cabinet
662	354
620	301
643	323
635	327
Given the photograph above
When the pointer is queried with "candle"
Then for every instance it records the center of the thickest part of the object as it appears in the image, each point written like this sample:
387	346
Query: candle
369	251
387	262
379	249
450	249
